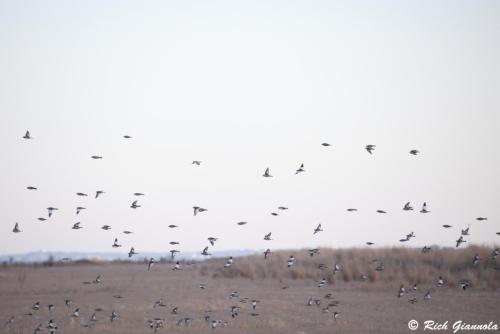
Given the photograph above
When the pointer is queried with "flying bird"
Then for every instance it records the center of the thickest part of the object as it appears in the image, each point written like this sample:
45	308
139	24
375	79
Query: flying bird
318	229
27	135
76	226
134	205
424	208
407	207
31	188
81	194
196	162
481	218
151	263
370	148
197	209
414	152
115	243
79	208
460	241
51	210
268	236
300	170
98	192
96	157
266	173
132	252
325	144
212	240
16	228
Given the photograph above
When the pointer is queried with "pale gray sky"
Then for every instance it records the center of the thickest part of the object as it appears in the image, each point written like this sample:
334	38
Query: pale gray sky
243	86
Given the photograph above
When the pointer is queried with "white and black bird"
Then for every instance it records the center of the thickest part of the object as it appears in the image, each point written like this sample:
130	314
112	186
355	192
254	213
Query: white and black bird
16	228
229	262
266	173
51	210
291	261
460	241
407	207
116	244
177	266
370	148
424	208
401	291
323	282
79	209
134	205
151	263
197	209
440	282
132	252
475	260
300	169
427	295
318	229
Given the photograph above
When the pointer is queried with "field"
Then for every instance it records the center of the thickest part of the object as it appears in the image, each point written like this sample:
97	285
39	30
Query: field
365	305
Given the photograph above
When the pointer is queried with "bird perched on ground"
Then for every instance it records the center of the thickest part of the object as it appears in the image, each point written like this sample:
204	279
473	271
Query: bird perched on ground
440	282
381	211
229	262
475	260
151	263
401	292
291	261
426	249
177	266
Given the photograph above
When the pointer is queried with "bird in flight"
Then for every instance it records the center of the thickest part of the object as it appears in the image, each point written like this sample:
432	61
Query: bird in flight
481	218
460	241
95	157
116	244
325	144
370	148
132	252
407	207
266	173
268	236
16	228
31	188
212	240
27	135
414	152
76	226
98	192
196	162
266	253
197	209
127	137
242	223
381	211
106	227
300	170
318	229
79	208
134	205
352	209
51	210
424	208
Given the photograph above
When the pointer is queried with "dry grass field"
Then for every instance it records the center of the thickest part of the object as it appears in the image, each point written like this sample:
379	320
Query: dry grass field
367	305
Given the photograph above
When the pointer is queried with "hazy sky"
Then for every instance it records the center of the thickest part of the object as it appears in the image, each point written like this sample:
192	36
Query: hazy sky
243	86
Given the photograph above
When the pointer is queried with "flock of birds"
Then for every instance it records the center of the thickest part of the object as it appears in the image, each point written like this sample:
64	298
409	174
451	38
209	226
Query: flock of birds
159	323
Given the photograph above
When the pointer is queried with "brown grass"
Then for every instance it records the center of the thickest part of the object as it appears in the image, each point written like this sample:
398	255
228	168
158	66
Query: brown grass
401	265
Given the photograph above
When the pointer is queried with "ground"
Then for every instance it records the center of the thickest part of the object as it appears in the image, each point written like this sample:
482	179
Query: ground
364	307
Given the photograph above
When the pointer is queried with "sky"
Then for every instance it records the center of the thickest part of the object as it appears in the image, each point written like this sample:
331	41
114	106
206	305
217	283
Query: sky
242	86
